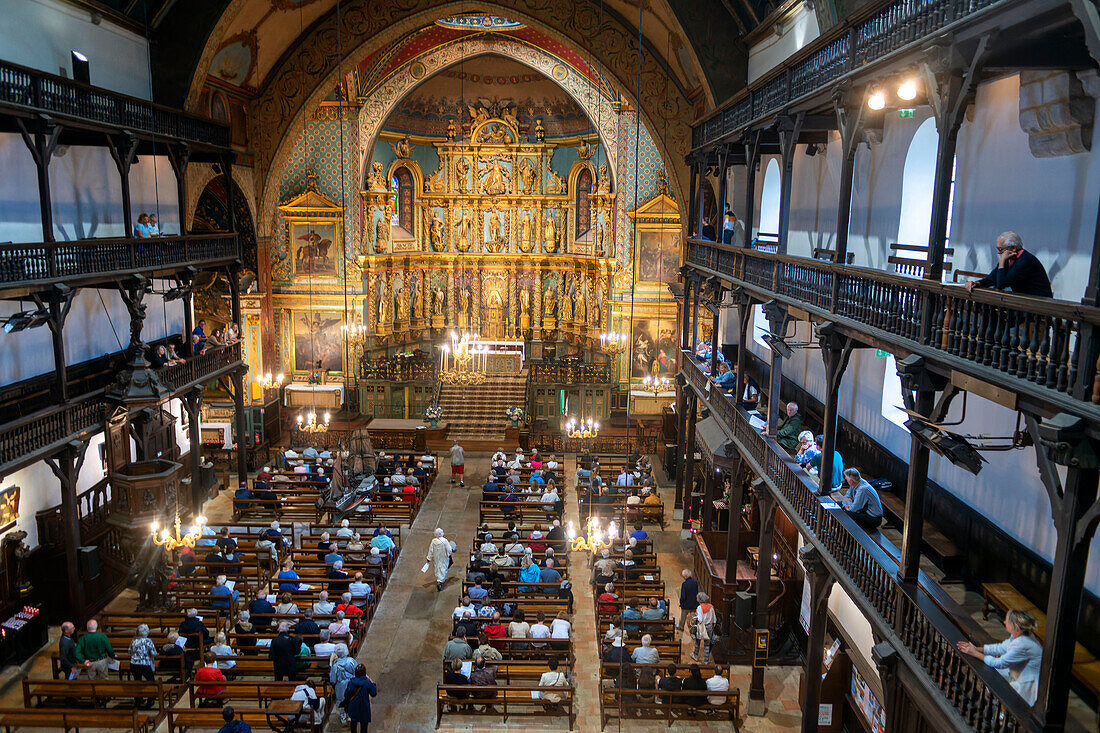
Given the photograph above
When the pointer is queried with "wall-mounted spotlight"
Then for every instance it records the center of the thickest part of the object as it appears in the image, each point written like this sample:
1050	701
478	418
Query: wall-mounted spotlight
907	90
81	72
26	319
877	100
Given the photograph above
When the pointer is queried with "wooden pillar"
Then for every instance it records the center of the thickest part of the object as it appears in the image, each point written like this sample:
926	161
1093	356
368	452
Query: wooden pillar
752	158
42	144
123	149
714	315
1062	441
685	318
66	465
59	304
692	232
777	322
227	172
745	319
733	531
689	453
700	195
681	435
192	403
695	317
789	129
723	165
766	504
850	122
835	351
178	156
918	394
710	489
244	440
821	582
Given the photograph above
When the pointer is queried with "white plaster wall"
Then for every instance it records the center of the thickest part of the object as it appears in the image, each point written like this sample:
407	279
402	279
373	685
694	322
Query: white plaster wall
769	52
98	324
42	34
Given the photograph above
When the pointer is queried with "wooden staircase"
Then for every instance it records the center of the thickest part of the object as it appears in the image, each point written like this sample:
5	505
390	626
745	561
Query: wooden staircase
477	413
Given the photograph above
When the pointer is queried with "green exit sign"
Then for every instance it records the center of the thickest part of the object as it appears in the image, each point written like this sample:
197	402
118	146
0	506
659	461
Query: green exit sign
881	354
906	114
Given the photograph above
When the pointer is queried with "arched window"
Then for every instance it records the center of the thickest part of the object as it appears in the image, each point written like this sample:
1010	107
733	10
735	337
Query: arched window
768	228
401	189
917	180
584	208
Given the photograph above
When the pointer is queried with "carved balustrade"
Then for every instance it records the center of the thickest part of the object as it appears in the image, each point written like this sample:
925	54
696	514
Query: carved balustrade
51	427
418	367
569	372
1034	340
978	694
872	34
202	368
87	259
36	90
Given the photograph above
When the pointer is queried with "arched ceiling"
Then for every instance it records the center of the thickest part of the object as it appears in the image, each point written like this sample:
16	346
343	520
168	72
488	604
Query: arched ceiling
239	43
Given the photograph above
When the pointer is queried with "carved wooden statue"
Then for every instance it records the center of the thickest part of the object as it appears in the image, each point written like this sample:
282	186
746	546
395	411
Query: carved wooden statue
526	236
549	234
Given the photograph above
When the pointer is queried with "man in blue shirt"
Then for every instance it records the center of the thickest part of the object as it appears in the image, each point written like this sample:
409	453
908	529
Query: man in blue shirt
639	533
726	379
838	467
241	494
490	490
624	479
630	613
862	503
548	574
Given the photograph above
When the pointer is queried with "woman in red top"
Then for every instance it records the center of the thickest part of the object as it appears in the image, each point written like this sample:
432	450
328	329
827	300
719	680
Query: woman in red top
210	673
607	599
495	629
408	493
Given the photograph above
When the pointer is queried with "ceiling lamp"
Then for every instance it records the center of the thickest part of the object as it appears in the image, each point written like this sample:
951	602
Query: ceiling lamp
907	90
877	100
594	541
172	542
613	342
581	428
462	360
310	424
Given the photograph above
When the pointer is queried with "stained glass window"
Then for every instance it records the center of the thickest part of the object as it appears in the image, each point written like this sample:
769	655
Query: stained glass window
401	199
584	210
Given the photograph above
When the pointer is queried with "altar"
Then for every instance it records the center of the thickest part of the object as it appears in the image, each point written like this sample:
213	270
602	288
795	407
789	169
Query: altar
503	357
319	396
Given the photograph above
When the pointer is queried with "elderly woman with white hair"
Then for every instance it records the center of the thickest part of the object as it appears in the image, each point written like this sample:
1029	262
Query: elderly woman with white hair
221	595
341	669
142	653
439	556
344	533
808	448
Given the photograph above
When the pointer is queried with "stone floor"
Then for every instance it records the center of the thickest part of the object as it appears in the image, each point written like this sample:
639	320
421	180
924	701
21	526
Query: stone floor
402	652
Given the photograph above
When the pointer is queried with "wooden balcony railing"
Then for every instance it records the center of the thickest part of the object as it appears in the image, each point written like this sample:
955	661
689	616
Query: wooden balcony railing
872	34
201	368
418	367
88	259
55	95
566	371
49	428
1034	340
980	696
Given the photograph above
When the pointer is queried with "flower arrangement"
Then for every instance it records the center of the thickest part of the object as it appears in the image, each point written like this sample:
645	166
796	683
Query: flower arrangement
514	413
433	412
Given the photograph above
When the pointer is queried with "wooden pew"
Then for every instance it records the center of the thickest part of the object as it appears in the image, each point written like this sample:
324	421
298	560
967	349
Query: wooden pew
512	700
637	706
519	512
275	715
69	719
37	693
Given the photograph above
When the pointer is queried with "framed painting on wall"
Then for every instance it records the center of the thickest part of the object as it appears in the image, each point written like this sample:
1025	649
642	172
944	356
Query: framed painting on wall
318	337
314	249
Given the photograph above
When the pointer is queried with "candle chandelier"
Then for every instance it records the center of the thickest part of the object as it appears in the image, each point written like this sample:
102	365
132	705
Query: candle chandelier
309	423
172	542
581	428
462	360
265	381
655	383
613	342
595	540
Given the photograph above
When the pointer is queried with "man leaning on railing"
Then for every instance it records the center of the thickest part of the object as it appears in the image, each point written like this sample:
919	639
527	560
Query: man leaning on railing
1017	270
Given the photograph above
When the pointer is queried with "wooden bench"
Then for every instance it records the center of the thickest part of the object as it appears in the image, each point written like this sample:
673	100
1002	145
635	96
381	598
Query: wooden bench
510	700
517	511
278	715
674	706
939	545
37	692
1005	597
68	719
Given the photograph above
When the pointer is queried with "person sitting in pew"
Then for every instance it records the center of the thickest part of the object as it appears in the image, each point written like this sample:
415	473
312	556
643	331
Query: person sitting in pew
789	427
1018	658
808	449
487	651
287	606
333	556
261	609
169	654
359	588
718	682
262	491
194	630
323	545
630	614
306	626
288	577
549	574
324	647
232	725
458	648
646	654
669	682
726	379
483	676
323	606
355	548
384	543
222	595
209	673
639	533
243	624
694	682
467	625
750	393
273	541
837	478
338	578
222	649
348	608
607	600
495	629
862	502
605	568
242	495
615	653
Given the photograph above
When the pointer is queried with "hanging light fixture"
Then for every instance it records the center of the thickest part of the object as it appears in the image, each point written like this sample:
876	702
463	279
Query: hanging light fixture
265	381
308	423
594	540
613	342
173	541
656	383
581	428
462	360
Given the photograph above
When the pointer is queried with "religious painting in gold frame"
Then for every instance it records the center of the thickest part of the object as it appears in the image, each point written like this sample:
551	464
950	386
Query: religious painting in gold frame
314	235
657	236
317	336
9	508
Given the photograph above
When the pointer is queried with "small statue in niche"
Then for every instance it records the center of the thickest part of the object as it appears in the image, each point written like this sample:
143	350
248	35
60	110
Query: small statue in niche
437	308
526	235
590	303
599	238
604	185
508	114
525	302
566	300
463	230
376	181
585	150
579	314
550	303
418	300
435	232
549	233
401	305
462	175
383	300
402	148
463	301
527	177
16	553
381	234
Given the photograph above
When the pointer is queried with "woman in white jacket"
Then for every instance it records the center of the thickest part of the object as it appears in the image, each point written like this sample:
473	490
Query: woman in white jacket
1017	658
439	555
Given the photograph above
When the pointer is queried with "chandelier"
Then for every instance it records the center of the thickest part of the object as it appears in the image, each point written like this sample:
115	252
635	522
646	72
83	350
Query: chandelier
612	342
594	541
310	424
462	361
173	542
655	383
265	381
581	428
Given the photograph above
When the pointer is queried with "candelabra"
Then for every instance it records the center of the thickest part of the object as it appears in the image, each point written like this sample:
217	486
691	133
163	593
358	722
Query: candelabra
265	381
656	384
463	360
594	540
580	428
310	424
613	342
173	542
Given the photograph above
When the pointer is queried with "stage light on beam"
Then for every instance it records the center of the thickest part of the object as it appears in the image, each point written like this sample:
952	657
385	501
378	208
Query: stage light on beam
907	90
877	100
